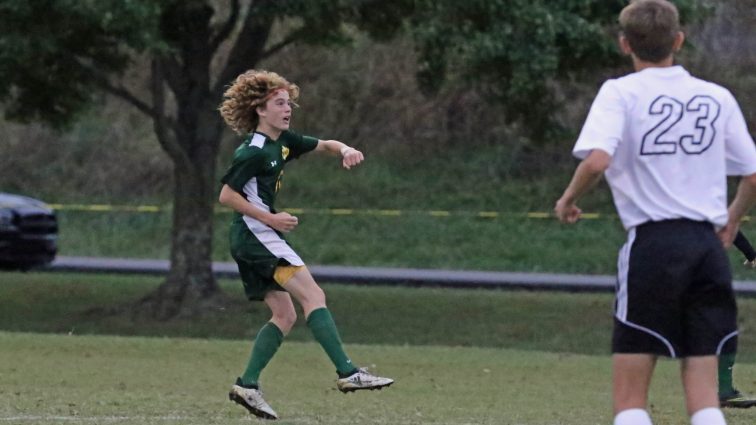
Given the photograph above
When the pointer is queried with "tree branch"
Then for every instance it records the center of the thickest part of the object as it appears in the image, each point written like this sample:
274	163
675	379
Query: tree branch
294	36
247	48
227	27
121	92
160	120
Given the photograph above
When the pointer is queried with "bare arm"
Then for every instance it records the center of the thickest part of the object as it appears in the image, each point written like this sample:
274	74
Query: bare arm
349	155
744	199
282	221
587	174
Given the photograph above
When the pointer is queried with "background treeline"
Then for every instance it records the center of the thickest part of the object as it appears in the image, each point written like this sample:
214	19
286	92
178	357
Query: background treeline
366	94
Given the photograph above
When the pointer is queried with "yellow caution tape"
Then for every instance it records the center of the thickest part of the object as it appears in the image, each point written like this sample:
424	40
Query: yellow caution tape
321	211
337	211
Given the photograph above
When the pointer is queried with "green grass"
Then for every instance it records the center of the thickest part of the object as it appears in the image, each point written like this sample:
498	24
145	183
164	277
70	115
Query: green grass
539	321
104	379
509	242
459	357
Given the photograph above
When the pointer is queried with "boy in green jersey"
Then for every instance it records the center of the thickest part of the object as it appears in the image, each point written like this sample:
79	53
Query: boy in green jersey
259	105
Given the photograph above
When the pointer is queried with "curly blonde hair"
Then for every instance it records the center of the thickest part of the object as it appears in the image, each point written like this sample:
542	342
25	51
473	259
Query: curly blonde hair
250	90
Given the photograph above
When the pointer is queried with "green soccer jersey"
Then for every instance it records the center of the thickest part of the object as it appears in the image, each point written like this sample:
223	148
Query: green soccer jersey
255	173
258	163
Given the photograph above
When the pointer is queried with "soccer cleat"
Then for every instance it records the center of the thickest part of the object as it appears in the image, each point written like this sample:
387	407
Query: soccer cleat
252	400
737	400
362	380
751	264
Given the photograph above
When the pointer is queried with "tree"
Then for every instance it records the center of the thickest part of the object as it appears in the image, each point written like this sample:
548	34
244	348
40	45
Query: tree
515	50
56	54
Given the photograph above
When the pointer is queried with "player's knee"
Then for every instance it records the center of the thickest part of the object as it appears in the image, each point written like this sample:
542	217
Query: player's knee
285	319
318	296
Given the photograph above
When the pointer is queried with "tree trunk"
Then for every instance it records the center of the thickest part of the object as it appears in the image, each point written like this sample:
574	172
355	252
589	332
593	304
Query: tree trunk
190	288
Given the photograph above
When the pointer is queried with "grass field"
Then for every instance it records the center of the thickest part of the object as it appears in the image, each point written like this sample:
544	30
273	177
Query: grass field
53	379
540	321
459	357
510	242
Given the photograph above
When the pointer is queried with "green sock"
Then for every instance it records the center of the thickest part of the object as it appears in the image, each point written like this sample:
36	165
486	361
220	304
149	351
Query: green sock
726	362
324	329
266	344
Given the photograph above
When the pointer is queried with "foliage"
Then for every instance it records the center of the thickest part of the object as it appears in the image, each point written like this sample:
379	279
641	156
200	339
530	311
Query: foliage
87	46
51	52
515	49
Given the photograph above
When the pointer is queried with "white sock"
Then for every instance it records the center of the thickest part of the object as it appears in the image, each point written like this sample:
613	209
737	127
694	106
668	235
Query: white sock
708	416
633	417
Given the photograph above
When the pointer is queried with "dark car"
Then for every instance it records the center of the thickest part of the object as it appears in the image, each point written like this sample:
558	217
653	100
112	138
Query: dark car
28	232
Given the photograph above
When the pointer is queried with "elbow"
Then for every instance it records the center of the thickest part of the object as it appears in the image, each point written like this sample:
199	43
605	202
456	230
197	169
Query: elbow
597	162
750	180
224	197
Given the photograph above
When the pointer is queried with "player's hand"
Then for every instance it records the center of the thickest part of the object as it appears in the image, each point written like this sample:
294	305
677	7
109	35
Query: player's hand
727	233
567	212
351	157
283	222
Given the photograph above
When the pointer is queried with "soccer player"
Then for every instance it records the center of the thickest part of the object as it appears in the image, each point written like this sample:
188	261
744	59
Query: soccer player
729	396
259	105
665	141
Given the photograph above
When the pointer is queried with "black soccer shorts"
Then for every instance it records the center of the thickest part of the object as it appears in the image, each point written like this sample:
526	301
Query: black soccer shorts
674	292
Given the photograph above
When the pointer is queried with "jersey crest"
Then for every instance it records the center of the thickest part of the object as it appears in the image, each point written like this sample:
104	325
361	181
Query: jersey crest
284	152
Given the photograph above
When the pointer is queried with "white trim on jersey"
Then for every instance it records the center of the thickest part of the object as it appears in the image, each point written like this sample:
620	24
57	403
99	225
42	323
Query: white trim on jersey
257	140
267	236
724	341
623	268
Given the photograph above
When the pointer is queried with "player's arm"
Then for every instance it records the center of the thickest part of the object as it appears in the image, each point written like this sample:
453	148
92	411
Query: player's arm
587	174
744	199
349	155
744	246
283	221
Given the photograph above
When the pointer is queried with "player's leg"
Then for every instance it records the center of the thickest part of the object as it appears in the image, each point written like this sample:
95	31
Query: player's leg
631	380
710	331
246	390
271	335
699	374
729	396
303	288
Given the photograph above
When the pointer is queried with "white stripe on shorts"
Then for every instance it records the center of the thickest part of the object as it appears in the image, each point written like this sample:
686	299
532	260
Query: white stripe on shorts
623	269
623	264
724	340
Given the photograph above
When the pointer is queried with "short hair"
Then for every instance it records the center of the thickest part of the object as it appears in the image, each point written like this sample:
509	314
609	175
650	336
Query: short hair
650	27
250	90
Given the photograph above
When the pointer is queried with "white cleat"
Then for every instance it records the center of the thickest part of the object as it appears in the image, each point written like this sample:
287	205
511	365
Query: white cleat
362	380
252	400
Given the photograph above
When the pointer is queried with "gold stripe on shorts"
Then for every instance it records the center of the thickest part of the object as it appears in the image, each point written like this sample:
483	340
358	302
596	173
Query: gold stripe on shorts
284	273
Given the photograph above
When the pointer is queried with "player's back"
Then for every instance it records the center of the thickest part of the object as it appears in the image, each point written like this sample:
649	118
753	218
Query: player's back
671	134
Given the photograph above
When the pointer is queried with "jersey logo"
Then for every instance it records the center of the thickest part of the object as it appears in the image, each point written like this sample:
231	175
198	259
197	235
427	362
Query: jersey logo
284	152
273	163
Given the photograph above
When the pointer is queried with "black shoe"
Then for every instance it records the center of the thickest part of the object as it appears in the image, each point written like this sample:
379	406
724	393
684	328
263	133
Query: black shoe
737	400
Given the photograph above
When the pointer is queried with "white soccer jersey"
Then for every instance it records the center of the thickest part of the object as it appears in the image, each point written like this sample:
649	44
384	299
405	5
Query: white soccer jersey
673	139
